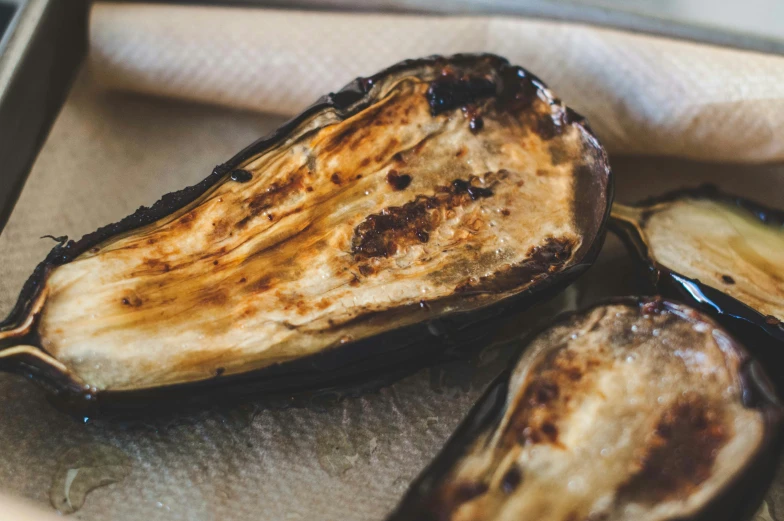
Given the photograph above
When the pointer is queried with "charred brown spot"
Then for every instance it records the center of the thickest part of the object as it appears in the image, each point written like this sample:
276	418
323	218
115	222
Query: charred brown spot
213	297
366	269
549	126
537	424
382	234
548	397
550	430
679	452
345	134
398	181
132	301
219	229
727	279
450	92
518	90
542	392
261	285
275	193
559	153
242	223
511	479
474	192
241	176
546	259
379	235
186	221
219	371
336	176
505	212
349	134
152	265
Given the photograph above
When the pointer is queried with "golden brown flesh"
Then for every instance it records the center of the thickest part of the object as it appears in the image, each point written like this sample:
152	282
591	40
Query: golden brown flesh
345	229
623	412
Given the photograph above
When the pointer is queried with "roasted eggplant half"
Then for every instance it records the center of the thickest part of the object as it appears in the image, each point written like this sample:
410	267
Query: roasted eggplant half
720	253
641	410
351	241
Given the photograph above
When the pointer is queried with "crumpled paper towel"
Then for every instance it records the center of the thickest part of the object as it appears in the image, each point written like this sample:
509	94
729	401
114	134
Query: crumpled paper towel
641	94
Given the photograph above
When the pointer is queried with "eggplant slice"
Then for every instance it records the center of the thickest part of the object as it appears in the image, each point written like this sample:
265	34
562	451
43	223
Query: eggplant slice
640	410
432	195
720	253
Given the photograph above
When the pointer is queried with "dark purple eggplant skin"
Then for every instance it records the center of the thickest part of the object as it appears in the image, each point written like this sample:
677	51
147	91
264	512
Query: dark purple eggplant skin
374	361
738	502
763	338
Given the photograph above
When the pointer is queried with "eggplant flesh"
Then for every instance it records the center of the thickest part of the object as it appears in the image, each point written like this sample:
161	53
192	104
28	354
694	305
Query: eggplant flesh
718	243
438	187
631	410
721	253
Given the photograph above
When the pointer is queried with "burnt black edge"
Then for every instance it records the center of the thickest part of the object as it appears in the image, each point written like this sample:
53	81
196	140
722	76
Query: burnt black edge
738	501
764	340
353	96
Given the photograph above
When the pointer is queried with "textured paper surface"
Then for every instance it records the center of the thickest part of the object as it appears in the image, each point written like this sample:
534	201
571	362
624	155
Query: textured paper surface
643	95
343	461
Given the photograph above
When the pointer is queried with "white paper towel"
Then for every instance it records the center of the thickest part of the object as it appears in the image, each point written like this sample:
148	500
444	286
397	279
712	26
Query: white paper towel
641	94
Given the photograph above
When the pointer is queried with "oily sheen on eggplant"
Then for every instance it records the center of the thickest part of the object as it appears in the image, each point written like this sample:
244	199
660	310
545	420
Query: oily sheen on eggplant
722	254
430	196
642	410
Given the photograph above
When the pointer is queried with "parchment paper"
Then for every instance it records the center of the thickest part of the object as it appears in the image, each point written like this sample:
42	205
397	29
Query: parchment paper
332	460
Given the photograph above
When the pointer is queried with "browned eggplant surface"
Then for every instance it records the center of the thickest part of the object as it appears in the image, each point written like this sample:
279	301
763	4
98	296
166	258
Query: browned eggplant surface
439	187
631	410
719	252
